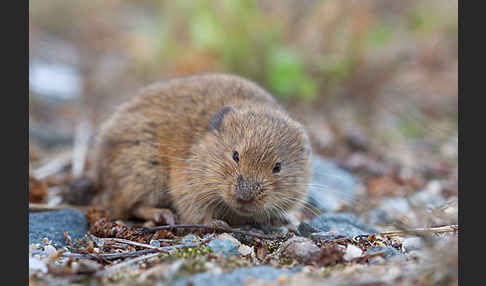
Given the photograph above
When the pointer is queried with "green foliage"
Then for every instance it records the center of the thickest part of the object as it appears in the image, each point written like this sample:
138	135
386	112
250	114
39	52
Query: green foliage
378	35
244	41
287	76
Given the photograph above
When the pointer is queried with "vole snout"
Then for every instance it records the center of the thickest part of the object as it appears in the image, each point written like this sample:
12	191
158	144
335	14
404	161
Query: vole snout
246	191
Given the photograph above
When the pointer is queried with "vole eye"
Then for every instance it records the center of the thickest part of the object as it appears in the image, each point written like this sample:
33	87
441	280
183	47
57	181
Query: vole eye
236	156
276	168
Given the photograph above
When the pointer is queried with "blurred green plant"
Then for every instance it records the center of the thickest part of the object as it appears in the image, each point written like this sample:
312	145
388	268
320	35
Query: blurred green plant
244	41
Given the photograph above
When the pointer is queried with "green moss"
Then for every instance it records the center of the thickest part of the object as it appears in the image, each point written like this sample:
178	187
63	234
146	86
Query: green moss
190	252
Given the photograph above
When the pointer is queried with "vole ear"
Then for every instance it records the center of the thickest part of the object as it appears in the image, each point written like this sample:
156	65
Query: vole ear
217	119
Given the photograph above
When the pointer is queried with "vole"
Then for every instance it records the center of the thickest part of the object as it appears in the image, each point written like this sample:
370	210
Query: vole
211	147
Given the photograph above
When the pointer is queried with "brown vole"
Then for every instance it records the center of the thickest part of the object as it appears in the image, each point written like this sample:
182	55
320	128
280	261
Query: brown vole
212	147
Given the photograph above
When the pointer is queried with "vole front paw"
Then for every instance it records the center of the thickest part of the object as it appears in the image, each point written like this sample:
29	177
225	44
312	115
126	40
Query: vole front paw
218	224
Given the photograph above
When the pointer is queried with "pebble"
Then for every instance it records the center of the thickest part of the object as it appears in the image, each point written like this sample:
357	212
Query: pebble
224	246
352	251
37	265
154	243
299	248
228	236
412	243
390	252
327	235
239	277
332	187
53	224
245	250
190	238
344	223
49	249
389	209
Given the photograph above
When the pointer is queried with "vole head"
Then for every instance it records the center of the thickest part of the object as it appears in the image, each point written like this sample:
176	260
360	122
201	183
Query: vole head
253	162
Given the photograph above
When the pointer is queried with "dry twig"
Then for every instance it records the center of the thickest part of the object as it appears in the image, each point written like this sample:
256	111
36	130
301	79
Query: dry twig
165	249
209	227
421	231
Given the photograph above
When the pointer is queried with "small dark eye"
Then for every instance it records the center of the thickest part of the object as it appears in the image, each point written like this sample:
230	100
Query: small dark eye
236	156
276	169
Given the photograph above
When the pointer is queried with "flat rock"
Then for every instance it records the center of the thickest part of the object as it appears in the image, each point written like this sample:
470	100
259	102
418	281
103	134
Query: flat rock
190	238
392	209
412	243
343	223
241	276
224	246
389	210
390	252
53	224
300	248
332	187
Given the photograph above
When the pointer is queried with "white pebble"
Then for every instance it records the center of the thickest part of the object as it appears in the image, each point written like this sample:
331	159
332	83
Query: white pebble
36	264
245	250
49	249
155	243
229	237
412	243
352	252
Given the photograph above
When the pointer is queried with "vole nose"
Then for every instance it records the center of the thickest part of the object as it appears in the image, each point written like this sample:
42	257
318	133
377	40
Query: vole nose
246	191
243	201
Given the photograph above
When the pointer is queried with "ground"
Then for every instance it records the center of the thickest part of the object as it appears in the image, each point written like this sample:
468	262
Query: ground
375	85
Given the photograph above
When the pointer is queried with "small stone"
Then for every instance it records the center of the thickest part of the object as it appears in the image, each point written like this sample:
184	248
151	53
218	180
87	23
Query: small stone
37	265
300	248
338	186
190	238
352	251
228	236
429	197
240	276
390	252
224	246
376	260
245	250
87	266
53	224
344	223
327	235
154	243
49	249
412	243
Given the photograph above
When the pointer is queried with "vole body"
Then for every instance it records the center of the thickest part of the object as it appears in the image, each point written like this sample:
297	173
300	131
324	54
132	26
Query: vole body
212	147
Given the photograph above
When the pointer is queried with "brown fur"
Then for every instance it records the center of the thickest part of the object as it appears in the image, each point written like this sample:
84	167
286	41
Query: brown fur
158	150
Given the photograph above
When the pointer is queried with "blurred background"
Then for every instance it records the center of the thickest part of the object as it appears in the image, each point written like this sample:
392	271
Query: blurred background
374	81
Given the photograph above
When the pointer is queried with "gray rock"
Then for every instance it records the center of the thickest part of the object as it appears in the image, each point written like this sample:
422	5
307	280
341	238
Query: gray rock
53	224
390	252
190	238
326	235
344	223
390	209
412	243
236	278
300	248
428	199
331	186
224	246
